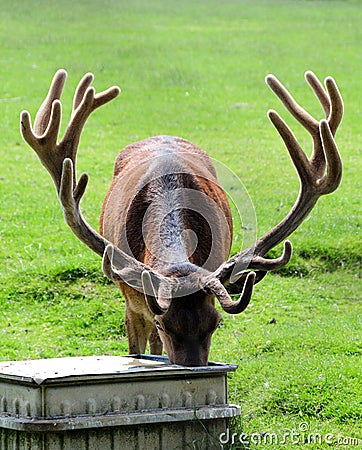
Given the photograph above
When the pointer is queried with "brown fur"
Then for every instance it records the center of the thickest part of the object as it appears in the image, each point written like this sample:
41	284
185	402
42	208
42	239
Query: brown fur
123	212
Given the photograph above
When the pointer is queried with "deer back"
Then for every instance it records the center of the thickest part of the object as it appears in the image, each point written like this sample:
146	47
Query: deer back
165	206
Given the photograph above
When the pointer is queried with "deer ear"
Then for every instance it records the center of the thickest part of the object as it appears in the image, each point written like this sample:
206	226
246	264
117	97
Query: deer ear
119	267
127	274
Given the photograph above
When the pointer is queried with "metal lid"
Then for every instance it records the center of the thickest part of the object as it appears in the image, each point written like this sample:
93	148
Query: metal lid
54	370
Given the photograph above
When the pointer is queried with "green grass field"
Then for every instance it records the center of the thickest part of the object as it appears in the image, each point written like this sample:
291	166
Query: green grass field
194	69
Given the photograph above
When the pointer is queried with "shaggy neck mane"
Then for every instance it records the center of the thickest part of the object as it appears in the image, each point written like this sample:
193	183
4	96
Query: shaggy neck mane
164	227
168	230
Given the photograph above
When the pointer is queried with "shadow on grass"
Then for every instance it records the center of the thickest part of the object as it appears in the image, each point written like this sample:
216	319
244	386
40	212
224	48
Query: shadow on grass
74	274
326	260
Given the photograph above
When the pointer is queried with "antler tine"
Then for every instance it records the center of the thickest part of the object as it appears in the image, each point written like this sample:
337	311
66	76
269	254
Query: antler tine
330	181
125	272
319	91
43	117
259	263
299	113
83	85
41	143
234	269
299	158
97	99
321	173
130	274
85	102
46	127
70	197
337	106
215	287
106	96
331	100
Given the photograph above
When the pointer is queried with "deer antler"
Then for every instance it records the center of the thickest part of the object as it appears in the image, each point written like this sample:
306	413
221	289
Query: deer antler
59	158
319	175
43	138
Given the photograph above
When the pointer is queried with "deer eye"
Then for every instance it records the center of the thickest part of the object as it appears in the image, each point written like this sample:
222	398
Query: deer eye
158	325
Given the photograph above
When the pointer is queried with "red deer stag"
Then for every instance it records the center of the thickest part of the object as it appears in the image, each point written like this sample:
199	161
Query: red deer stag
166	226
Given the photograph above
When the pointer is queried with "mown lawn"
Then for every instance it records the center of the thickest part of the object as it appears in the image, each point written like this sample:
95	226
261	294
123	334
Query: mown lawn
195	69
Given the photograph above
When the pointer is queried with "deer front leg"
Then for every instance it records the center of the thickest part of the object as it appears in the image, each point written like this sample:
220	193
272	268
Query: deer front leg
139	323
155	342
138	331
